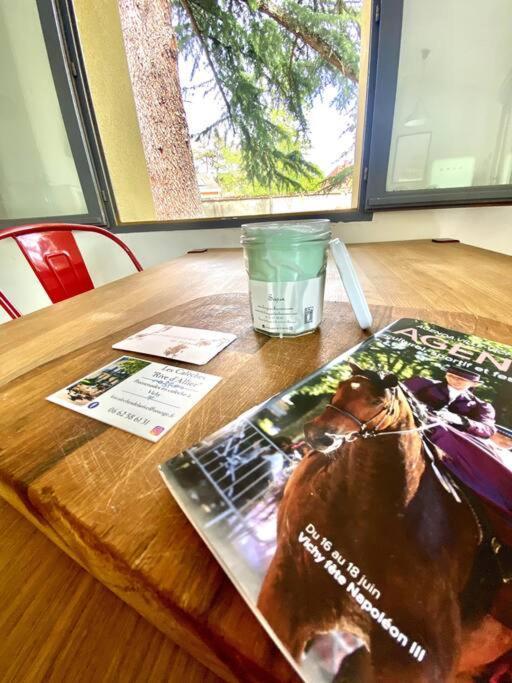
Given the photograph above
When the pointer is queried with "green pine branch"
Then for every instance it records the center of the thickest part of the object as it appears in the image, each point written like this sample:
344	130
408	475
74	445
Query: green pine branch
267	56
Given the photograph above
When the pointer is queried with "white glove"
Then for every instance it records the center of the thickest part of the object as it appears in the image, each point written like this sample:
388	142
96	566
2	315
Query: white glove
451	418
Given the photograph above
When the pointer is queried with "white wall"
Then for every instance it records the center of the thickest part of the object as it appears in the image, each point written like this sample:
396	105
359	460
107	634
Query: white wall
485	227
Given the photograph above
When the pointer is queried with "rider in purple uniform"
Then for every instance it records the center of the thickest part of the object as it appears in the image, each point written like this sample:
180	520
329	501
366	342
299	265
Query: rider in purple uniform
464	435
459	406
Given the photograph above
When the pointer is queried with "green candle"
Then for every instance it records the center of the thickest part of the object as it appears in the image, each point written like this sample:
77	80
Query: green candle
286	264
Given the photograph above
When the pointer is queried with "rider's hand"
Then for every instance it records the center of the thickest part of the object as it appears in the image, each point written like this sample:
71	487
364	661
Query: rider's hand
451	418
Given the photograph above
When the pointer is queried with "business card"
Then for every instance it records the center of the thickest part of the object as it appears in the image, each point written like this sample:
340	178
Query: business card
135	395
186	344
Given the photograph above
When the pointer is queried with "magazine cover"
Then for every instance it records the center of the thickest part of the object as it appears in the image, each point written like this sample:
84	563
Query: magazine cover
365	514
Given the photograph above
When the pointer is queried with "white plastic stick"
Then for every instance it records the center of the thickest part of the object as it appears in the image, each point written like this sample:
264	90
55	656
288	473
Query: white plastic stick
351	283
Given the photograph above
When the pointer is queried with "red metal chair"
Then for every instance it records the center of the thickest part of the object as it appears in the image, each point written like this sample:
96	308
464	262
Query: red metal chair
8	307
53	254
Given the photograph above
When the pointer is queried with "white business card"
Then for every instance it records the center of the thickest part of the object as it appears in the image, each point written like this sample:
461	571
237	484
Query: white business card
187	344
143	398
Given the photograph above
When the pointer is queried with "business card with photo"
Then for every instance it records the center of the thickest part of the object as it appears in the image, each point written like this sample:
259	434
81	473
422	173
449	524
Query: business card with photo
140	397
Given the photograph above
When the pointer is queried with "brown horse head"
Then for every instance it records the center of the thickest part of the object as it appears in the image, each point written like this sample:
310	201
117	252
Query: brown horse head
366	400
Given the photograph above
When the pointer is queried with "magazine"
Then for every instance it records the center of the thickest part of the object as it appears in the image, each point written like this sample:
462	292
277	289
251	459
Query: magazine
365	514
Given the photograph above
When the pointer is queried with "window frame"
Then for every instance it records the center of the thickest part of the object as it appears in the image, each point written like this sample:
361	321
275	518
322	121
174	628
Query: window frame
359	213
71	115
377	197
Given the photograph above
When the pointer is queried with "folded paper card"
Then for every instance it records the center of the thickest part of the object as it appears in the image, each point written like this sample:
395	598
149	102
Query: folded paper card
186	344
142	398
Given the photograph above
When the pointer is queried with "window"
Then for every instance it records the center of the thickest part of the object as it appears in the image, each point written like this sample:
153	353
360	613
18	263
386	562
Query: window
208	113
442	129
237	108
45	170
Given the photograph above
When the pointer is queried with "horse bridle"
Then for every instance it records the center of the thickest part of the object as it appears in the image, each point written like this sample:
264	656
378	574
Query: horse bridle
443	477
364	431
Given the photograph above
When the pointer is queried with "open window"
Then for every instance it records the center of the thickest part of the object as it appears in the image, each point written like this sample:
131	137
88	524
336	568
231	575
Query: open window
228	110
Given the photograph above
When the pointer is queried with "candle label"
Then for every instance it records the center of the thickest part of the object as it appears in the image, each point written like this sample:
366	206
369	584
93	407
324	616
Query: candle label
287	307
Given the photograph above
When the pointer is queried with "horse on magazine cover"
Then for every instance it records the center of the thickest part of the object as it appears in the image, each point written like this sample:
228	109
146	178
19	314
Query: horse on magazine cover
372	541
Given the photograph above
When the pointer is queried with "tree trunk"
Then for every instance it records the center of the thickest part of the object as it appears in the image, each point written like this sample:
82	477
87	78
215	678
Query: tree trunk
152	54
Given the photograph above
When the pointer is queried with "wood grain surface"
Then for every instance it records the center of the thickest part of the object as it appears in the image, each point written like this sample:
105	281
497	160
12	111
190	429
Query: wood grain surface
450	277
57	623
95	490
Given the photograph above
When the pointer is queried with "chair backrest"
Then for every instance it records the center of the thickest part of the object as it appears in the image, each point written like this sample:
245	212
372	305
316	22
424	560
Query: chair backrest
54	255
7	309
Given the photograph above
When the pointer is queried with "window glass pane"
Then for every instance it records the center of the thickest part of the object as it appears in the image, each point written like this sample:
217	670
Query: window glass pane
38	176
452	119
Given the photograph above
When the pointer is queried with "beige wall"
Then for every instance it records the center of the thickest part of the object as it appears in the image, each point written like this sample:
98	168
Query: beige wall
102	45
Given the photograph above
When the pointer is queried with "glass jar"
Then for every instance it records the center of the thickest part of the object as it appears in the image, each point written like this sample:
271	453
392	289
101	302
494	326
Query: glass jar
286	263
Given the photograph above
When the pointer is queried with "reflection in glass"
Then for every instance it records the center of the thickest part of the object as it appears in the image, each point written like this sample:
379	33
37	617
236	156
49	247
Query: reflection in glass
452	119
38	176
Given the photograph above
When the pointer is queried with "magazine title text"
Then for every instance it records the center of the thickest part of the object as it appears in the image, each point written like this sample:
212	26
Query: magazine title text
496	365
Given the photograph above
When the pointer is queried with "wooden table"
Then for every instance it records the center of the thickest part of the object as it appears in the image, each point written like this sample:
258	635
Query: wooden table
95	490
57	623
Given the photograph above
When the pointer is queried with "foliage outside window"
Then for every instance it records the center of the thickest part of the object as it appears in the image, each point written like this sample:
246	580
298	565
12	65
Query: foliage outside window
245	106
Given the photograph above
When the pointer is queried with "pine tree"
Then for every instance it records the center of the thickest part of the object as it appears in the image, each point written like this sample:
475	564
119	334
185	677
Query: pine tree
224	162
264	56
267	55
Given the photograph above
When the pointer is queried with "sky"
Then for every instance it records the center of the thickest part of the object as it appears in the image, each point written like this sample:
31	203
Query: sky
325	123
